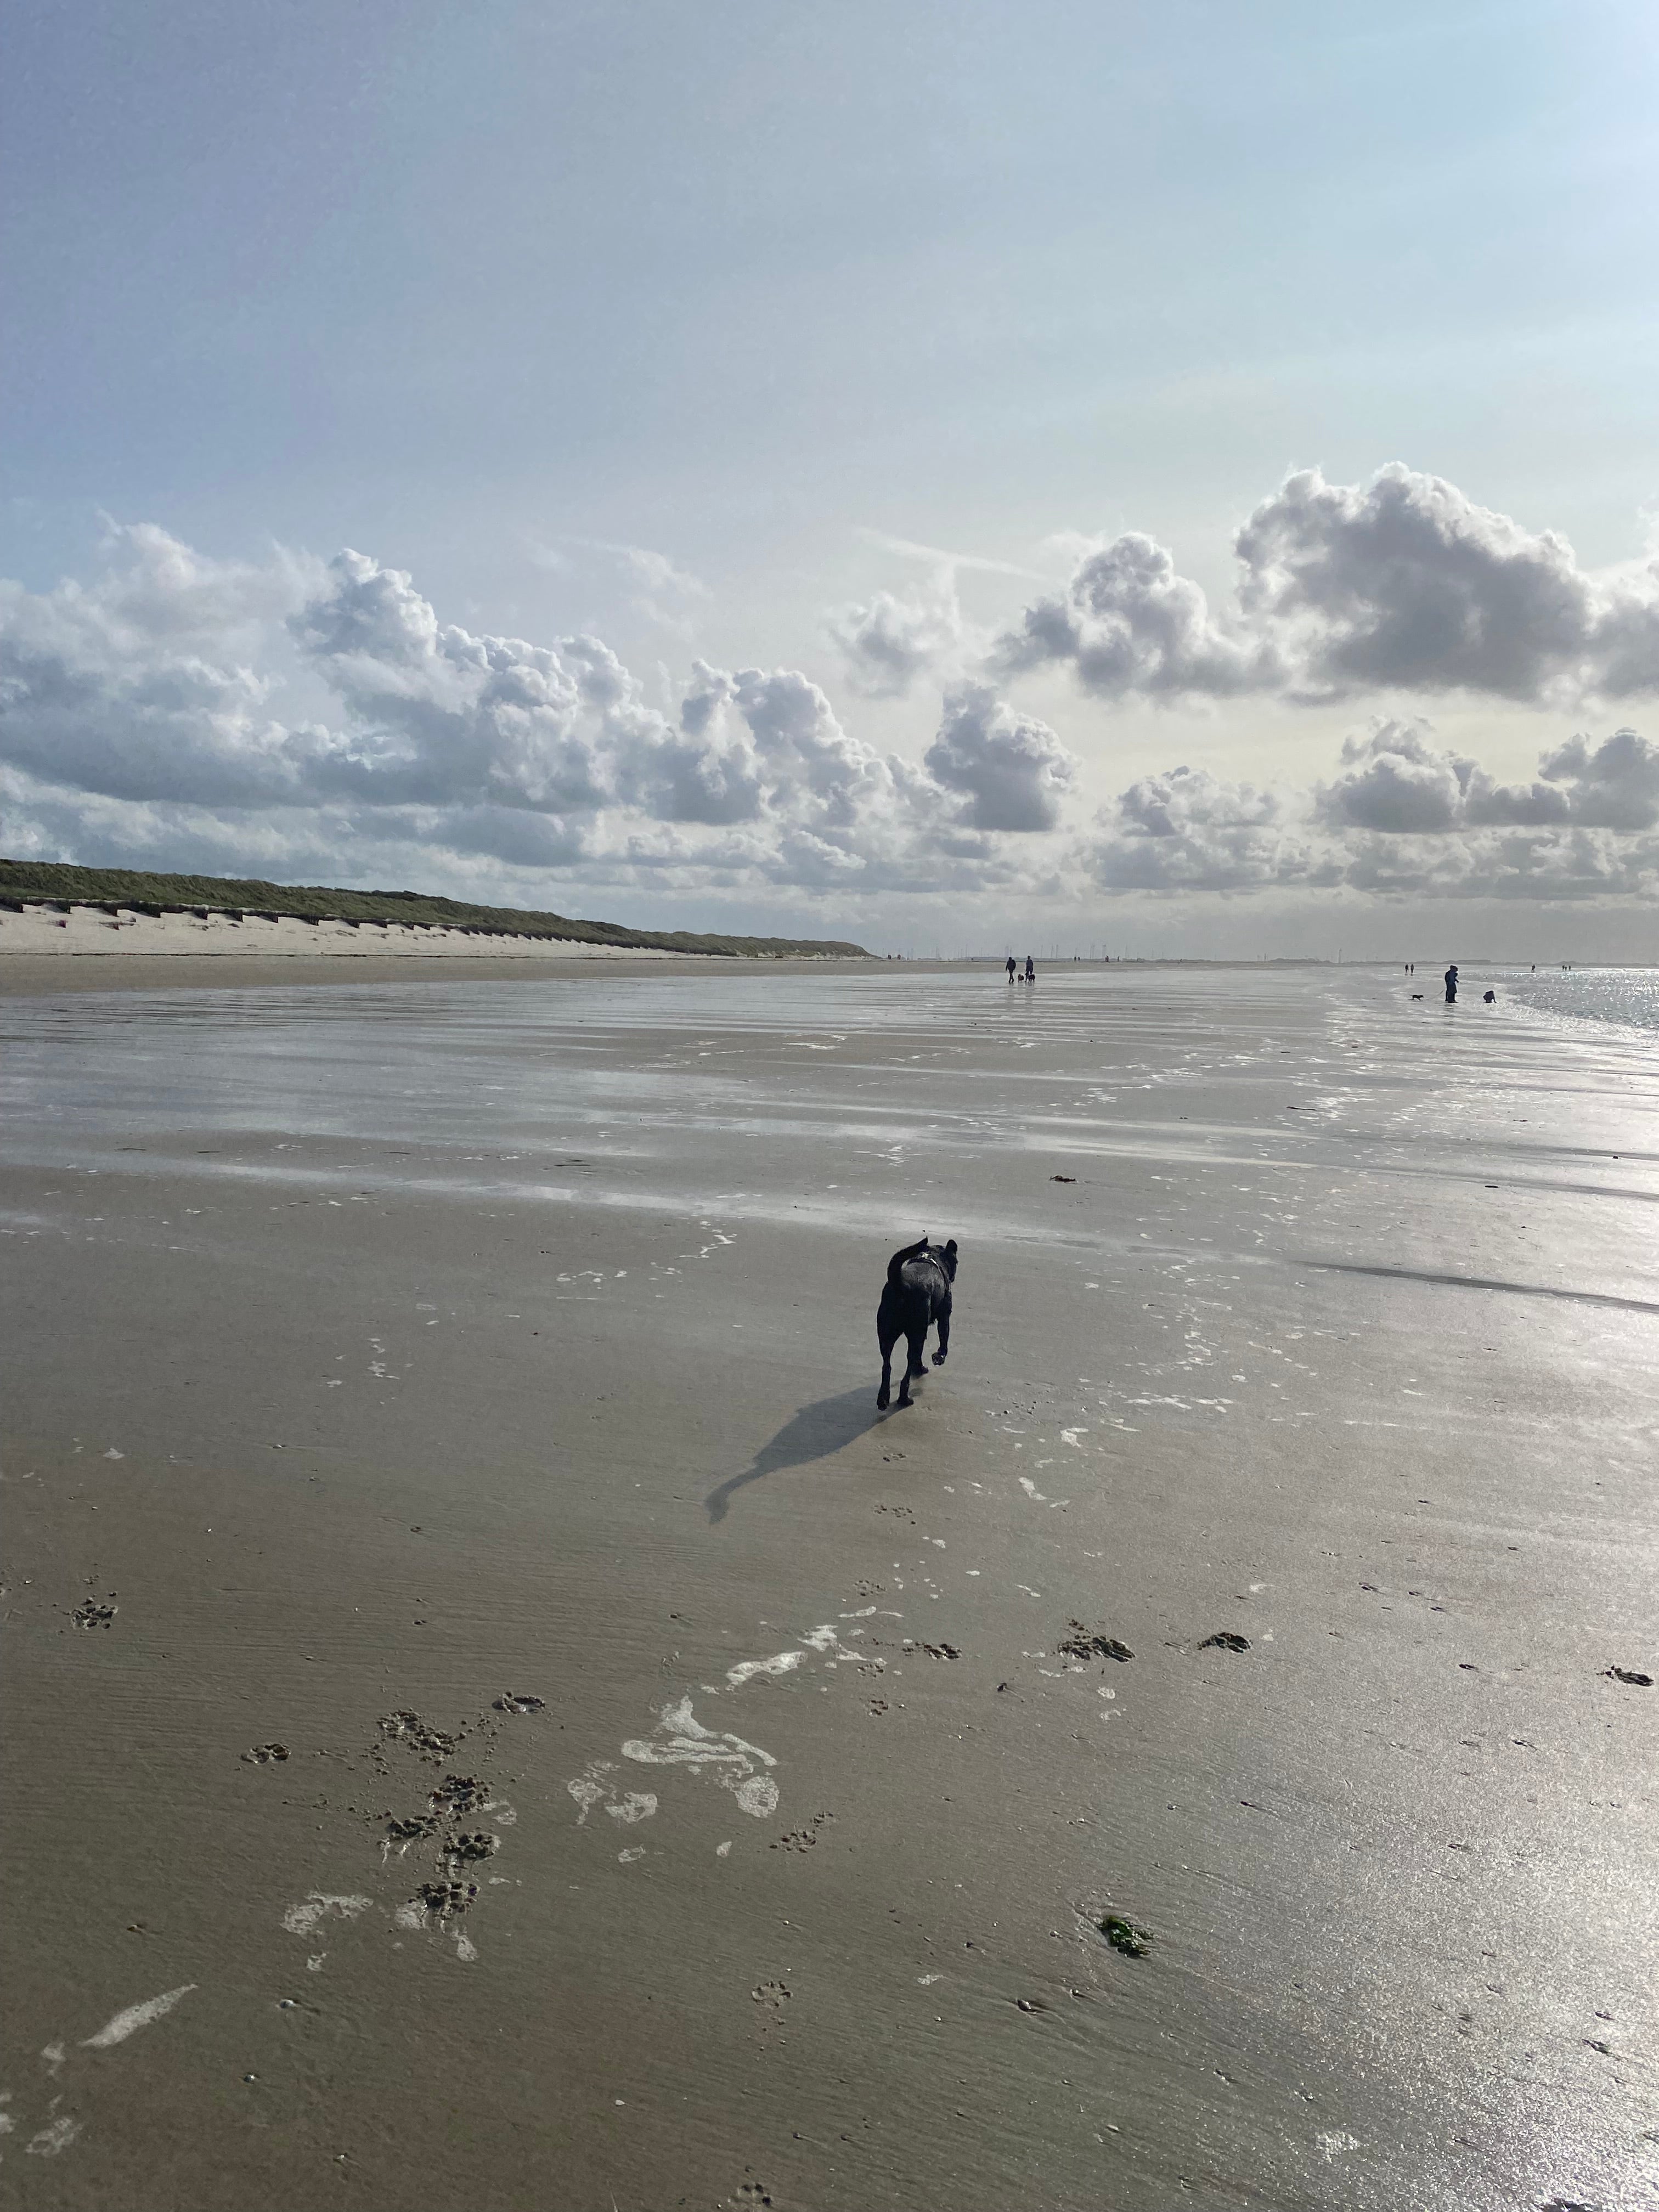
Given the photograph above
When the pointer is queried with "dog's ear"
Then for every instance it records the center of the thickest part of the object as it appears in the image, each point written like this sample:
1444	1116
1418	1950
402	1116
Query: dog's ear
951	1259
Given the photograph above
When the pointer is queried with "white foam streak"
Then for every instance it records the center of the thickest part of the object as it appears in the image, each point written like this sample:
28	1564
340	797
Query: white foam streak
134	2017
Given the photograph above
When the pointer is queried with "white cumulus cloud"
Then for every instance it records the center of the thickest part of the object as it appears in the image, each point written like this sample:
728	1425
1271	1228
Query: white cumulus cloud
318	721
1190	830
1011	769
1403	817
1403	583
294	710
891	641
1128	623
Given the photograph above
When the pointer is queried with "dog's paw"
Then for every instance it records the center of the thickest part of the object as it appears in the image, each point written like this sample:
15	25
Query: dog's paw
939	1358
884	1399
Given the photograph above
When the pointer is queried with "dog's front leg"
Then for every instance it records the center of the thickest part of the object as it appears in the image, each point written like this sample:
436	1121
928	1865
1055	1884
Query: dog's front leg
884	1394
944	1352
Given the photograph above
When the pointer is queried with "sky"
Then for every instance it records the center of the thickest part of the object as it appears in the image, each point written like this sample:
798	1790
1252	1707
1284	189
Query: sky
1175	477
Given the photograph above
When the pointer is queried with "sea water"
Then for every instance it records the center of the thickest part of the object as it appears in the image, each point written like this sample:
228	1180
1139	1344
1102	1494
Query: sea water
1628	997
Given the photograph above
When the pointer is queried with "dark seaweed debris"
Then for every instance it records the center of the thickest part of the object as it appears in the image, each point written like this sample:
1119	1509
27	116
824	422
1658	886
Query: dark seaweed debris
1089	1644
1628	1674
1227	1640
1125	1936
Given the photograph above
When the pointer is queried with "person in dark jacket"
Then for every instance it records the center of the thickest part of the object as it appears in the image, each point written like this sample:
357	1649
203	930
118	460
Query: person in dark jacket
1451	985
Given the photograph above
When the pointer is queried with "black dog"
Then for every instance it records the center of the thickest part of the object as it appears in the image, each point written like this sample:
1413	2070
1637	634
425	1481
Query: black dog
916	1295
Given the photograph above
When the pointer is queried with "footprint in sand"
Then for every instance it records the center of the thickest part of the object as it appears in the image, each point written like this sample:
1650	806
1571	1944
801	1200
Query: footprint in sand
1081	1643
771	1997
410	1728
802	1840
449	1827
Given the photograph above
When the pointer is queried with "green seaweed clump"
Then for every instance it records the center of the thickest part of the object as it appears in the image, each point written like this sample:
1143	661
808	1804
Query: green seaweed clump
1123	1936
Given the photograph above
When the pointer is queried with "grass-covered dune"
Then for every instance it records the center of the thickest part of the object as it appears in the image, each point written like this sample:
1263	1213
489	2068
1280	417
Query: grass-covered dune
51	883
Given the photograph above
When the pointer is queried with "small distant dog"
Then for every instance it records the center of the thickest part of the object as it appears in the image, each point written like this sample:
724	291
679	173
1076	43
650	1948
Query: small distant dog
916	1294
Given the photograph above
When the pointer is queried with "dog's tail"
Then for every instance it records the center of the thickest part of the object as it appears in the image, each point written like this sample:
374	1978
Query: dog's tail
910	1252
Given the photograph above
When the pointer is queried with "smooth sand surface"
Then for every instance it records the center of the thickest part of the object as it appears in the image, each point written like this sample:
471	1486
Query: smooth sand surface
391	1349
31	975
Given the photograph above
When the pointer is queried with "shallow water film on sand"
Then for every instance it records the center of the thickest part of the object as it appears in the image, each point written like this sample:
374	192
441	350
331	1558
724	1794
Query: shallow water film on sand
498	1717
1628	997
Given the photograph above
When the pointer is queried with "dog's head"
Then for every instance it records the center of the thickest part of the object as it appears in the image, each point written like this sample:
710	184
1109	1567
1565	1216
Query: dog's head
947	1259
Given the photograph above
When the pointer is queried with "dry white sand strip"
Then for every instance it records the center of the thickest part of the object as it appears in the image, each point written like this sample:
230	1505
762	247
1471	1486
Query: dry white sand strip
89	929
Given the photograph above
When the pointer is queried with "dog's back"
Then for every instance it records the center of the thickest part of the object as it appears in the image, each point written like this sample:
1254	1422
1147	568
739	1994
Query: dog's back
919	1278
906	1257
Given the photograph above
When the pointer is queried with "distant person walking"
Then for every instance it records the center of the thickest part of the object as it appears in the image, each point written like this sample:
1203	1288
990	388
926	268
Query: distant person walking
1031	969
1489	998
1451	985
1011	967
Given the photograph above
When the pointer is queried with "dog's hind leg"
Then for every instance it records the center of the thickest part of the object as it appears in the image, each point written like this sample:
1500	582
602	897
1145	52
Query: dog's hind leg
884	1394
915	1365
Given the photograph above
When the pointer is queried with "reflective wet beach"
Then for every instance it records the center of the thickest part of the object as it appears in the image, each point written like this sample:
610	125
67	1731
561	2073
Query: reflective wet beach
462	1341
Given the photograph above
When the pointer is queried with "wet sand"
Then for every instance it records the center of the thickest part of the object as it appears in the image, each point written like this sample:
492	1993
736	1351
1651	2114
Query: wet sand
382	1352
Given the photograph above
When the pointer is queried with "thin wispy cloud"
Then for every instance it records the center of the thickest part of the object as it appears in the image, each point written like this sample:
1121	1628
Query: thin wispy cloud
938	556
654	585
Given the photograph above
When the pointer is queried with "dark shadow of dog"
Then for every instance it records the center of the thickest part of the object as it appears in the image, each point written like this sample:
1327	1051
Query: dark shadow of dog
816	1431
